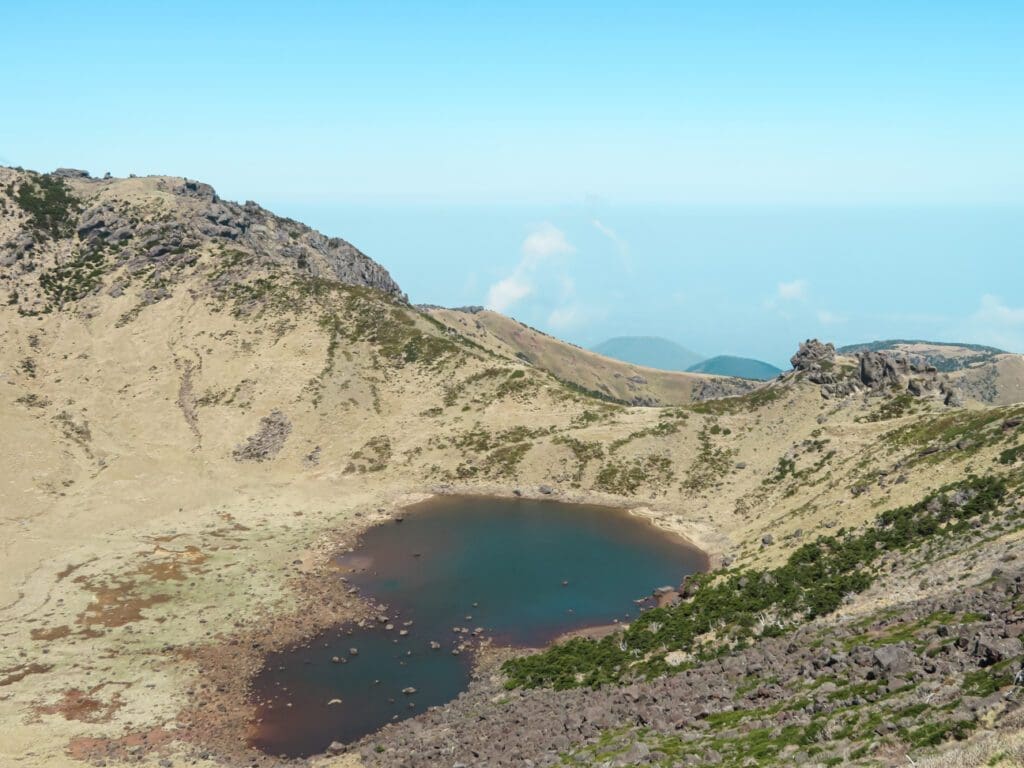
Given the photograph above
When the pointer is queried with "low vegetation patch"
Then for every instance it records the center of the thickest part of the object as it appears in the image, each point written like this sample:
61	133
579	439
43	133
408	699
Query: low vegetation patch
625	478
50	205
73	279
747	403
712	463
583	451
893	408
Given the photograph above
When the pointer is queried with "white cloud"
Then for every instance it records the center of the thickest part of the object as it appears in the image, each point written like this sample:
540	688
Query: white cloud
794	291
997	323
566	317
993	310
545	241
830	318
504	293
620	244
541	245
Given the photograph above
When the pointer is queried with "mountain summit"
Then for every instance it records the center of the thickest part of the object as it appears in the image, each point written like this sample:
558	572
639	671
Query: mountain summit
65	236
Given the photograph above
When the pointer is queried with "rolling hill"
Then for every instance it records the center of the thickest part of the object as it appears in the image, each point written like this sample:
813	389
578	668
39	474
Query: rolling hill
740	367
650	352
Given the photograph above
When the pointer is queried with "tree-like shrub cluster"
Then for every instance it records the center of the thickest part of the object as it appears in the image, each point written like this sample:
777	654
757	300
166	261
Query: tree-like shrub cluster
49	204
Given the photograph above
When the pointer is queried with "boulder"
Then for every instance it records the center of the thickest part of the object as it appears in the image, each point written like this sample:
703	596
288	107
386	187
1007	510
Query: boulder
811	354
894	660
989	649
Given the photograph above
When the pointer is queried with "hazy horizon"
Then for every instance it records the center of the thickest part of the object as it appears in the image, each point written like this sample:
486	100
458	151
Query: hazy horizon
733	176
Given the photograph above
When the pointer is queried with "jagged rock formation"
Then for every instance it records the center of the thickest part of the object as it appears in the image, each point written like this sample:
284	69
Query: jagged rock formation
871	372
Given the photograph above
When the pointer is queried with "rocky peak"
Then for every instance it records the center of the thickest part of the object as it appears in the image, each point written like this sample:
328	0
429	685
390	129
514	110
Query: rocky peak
64	236
812	354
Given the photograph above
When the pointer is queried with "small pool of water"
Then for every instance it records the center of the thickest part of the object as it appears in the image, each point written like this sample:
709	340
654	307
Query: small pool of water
457	569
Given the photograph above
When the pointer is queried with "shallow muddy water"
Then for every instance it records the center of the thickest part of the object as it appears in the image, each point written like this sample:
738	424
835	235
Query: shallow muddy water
456	569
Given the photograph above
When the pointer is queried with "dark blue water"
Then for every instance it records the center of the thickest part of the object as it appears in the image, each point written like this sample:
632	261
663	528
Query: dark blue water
517	572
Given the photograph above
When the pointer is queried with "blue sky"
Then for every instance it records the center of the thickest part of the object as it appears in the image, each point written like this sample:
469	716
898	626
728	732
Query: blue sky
732	175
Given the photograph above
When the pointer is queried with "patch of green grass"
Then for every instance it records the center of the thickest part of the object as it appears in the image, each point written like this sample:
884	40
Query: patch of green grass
1012	455
984	682
661	429
595	394
374	455
931	734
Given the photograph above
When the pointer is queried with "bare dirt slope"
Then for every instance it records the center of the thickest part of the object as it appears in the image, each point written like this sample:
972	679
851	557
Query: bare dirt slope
201	402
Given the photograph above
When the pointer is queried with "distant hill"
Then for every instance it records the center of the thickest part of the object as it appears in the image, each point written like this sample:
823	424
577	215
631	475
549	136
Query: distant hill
740	367
947	357
649	351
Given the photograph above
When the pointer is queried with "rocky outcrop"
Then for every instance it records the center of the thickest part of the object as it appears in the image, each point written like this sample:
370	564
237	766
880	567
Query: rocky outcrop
811	355
717	388
872	372
71	173
268	440
882	369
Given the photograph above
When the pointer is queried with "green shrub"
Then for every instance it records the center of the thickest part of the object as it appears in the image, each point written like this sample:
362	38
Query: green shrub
1011	455
49	204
